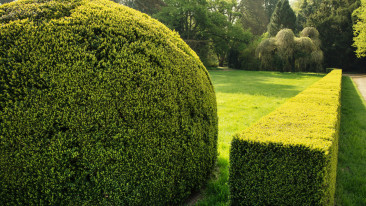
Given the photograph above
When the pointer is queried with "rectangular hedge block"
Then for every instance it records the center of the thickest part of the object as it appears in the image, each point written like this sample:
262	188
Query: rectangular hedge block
289	157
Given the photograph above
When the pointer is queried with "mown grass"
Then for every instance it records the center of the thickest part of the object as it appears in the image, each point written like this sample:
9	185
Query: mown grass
351	174
243	97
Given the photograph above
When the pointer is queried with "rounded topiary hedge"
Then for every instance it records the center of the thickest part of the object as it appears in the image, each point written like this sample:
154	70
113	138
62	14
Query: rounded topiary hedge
100	105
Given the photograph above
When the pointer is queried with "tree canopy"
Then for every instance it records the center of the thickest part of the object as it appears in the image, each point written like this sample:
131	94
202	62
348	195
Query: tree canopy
360	30
206	25
255	14
333	20
282	17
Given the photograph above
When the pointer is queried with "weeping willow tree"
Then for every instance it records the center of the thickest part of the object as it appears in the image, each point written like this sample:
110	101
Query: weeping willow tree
309	55
285	43
287	53
266	52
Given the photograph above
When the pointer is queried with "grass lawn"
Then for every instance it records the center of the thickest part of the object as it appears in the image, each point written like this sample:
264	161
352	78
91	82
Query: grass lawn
243	97
351	174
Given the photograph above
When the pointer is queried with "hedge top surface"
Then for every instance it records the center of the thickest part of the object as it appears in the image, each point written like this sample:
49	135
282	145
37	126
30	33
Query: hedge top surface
309	119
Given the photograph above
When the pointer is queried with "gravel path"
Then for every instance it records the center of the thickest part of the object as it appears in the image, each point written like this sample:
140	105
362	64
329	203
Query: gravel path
360	81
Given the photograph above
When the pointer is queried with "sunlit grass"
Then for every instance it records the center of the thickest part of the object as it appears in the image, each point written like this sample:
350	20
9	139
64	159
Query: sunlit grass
351	173
243	97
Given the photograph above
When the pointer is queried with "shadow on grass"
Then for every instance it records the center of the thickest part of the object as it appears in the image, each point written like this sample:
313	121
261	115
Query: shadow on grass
273	84
351	172
217	190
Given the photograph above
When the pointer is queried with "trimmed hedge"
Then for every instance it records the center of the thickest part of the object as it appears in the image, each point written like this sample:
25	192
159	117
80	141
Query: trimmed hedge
289	157
100	105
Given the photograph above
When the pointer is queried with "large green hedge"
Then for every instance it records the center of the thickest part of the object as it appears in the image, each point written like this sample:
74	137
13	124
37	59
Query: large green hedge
290	156
100	105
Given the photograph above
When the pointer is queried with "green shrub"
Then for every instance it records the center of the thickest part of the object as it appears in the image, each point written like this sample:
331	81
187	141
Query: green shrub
100	105
248	59
244	57
290	156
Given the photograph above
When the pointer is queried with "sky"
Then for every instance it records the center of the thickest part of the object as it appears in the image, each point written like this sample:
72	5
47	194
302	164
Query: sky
292	1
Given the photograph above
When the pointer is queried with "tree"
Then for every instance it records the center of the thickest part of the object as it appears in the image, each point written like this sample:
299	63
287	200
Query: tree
255	14
238	41
206	25
227	35
229	8
359	29
333	20
269	7
303	11
282	17
287	53
188	17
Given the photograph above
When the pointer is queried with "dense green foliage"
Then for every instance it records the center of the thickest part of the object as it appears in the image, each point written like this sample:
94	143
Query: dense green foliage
269	7
210	27
283	17
100	105
228	37
287	53
351	173
289	157
207	26
360	30
212	21
333	20
246	58
255	14
304	9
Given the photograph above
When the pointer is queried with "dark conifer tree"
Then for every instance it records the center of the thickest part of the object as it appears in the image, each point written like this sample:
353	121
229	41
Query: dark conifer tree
270	6
282	17
333	20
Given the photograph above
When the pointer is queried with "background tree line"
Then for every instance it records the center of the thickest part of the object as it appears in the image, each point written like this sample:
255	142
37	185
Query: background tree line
220	31
228	32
